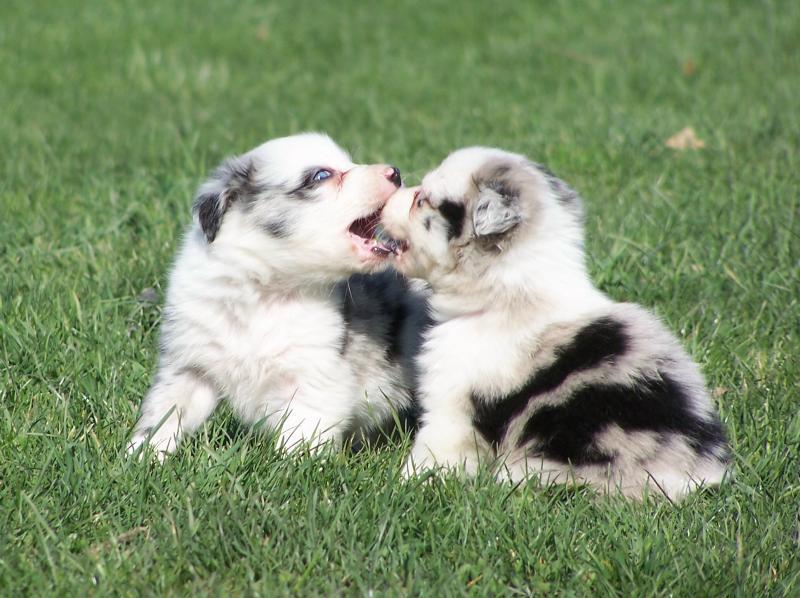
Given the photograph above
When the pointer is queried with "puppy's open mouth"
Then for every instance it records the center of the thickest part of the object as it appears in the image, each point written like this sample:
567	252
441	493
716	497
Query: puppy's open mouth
369	235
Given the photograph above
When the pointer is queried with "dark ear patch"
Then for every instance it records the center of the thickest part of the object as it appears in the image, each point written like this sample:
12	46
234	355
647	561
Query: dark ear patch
231	181
208	214
454	215
497	209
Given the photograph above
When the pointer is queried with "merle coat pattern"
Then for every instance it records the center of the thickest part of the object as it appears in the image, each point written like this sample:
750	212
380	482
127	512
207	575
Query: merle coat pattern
260	313
529	369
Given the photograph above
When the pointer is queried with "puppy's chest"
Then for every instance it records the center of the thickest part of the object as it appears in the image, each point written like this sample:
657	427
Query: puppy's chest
248	341
468	358
277	327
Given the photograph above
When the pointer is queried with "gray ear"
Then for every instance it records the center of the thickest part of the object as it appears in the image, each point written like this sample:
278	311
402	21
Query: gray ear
232	180
497	210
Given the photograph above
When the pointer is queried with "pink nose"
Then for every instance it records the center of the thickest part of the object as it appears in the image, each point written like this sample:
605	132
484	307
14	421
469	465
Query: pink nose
392	174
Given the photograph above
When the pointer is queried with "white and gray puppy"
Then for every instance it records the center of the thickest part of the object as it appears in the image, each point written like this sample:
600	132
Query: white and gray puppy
528	366
260	310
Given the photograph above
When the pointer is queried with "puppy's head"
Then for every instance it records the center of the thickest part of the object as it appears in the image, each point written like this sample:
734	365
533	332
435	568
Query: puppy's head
298	204
480	218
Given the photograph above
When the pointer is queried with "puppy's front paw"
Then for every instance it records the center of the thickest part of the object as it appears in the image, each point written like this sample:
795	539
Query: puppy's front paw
419	462
142	444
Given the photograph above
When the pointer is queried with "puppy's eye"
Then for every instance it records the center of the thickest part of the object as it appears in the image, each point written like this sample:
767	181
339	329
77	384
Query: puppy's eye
321	175
420	200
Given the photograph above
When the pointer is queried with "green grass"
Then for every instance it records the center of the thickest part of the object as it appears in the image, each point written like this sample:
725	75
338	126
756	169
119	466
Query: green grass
112	112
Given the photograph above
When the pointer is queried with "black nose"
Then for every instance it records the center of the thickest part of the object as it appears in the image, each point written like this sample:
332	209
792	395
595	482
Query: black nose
393	174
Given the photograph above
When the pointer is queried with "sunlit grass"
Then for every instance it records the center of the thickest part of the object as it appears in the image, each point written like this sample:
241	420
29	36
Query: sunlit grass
113	112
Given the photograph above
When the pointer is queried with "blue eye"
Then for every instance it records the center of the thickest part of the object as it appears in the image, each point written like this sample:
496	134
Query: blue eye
321	175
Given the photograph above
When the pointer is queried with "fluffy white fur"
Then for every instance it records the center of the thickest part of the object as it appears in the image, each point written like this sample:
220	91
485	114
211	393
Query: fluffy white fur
512	301
252	313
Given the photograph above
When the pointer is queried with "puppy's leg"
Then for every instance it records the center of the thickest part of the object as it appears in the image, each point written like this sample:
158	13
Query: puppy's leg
301	416
447	439
177	404
302	427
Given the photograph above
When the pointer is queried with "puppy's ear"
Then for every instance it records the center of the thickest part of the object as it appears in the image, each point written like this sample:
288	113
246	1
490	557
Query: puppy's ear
231	181
497	209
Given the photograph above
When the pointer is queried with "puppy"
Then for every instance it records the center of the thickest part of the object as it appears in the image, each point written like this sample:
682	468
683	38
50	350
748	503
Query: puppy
259	309
528	366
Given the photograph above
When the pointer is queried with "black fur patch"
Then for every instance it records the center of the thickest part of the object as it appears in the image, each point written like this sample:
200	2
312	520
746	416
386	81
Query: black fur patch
404	421
398	318
454	215
209	213
277	228
299	193
494	177
232	181
507	191
238	176
568	432
381	306
344	341
563	192
602	340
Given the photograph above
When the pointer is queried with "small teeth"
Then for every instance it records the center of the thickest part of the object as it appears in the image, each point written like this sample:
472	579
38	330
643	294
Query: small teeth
386	248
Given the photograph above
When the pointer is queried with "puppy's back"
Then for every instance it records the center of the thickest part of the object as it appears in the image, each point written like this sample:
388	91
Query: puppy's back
619	404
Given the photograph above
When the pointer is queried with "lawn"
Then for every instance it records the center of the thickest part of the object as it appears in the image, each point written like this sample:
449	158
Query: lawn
113	112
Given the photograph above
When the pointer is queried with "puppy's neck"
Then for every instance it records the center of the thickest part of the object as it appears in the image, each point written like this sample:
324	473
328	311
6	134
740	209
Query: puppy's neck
446	307
531	287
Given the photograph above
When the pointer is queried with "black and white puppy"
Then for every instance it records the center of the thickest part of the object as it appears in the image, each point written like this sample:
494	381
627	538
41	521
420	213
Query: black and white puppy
528	366
260	310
